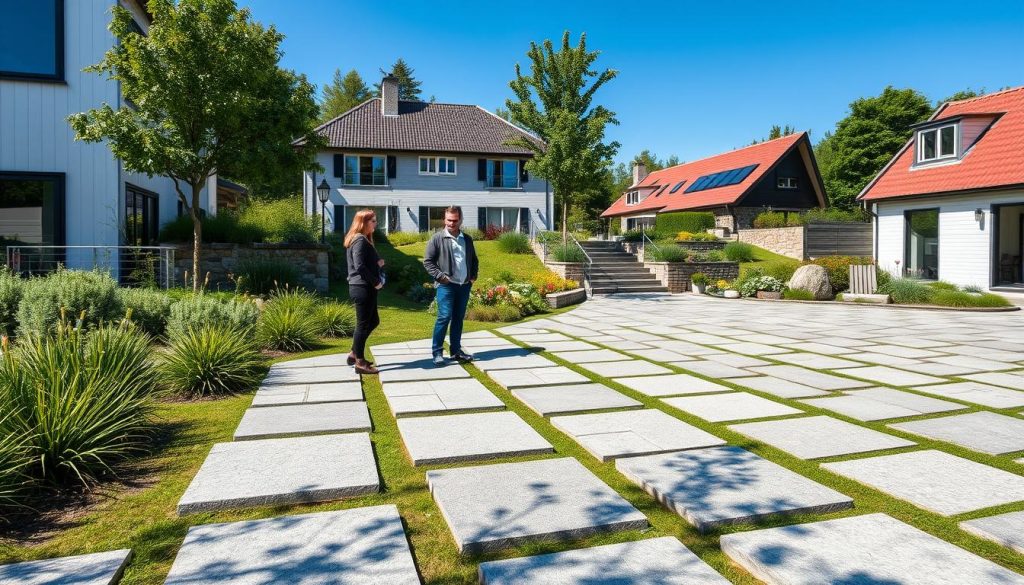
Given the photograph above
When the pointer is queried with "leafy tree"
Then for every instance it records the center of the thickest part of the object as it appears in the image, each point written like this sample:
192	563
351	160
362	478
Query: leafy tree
408	86
343	94
776	131
207	96
620	177
556	104
963	94
866	139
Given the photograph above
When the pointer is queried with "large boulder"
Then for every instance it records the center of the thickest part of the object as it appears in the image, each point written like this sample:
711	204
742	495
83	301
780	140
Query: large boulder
813	279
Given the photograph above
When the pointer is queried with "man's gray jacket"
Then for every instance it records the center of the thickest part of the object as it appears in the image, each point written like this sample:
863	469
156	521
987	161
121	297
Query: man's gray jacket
440	261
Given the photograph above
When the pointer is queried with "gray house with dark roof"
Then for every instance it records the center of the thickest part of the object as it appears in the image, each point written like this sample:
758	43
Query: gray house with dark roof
410	160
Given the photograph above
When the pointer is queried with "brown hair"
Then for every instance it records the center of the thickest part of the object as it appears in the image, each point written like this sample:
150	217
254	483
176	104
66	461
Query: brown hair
453	209
359	226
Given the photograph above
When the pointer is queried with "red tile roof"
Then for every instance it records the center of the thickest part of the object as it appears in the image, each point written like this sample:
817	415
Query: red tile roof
996	160
764	155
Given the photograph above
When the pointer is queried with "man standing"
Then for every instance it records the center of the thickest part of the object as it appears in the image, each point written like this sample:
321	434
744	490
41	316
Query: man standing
451	261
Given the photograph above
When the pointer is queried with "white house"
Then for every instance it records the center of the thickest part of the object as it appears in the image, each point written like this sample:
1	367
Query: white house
410	160
950	204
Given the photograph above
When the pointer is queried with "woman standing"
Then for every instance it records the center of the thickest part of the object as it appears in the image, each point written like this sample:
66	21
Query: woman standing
364	280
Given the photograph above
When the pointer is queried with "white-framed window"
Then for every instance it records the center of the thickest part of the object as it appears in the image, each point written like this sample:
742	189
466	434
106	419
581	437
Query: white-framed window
632	198
428	165
437	165
503	174
505	218
787	183
366	170
937	143
446	166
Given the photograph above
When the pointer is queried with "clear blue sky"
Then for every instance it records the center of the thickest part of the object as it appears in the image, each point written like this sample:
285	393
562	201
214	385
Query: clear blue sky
694	78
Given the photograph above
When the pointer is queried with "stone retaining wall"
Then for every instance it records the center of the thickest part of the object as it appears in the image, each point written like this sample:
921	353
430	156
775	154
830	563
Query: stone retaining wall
565	298
788	241
222	261
567	270
703	246
676	275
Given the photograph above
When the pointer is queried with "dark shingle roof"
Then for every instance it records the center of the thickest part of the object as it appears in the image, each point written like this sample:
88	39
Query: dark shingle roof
423	126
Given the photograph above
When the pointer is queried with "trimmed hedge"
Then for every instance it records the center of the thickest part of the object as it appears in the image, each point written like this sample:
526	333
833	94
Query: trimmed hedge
684	221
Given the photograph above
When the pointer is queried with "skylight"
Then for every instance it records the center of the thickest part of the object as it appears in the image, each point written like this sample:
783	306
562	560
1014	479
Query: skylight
720	179
676	188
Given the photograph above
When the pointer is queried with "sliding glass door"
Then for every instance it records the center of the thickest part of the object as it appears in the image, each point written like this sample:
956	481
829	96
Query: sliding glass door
921	244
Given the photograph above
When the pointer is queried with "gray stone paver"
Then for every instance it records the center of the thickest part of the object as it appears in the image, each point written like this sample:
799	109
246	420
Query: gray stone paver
892	376
884	359
491	507
512	379
736	360
809	377
439	396
104	568
308	393
514	362
319	361
282	471
595	355
976	392
611	435
1006	529
572	398
814	361
566	346
712	369
819	436
654	561
730	406
672	385
657	354
627	368
303	419
540	338
359	546
727	485
987	432
968	361
779	387
1012	380
872	404
421	369
469	437
750	348
936	481
319	375
873	549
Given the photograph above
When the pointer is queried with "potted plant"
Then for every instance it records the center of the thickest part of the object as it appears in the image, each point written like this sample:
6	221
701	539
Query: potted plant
763	287
700	281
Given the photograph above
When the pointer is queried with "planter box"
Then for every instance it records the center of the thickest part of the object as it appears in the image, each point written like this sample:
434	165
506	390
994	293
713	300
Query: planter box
676	275
569	270
565	298
768	294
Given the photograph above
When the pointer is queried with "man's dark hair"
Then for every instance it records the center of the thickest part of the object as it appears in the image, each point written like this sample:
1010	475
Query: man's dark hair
453	209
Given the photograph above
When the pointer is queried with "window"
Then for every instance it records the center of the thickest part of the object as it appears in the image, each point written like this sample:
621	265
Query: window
435	218
387	217
633	223
31	209
505	218
676	188
921	244
32	39
365	170
437	165
632	198
141	216
503	174
936	143
428	165
445	166
787	183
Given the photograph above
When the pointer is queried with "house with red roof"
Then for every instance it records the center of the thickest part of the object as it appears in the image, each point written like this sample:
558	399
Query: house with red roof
950	204
779	174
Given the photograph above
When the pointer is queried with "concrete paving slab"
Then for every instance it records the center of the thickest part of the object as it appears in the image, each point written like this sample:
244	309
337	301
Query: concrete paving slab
873	549
809	377
512	379
320	361
655	561
439	396
935	481
657	354
891	376
308	394
274	472
514	362
553	346
727	485
779	387
103	568
295	420
621	344
934	369
1013	380
736	360
977	393
492	507
284	376
873	404
1006	529
610	435
673	385
712	369
749	348
360	546
596	355
540	337
572	398
730	406
815	437
627	368
969	361
818	347
421	369
884	359
987	432
431	440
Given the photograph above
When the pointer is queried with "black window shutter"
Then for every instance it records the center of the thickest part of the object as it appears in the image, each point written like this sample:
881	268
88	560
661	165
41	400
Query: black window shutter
424	219
524	176
339	166
481	218
524	220
481	169
392	167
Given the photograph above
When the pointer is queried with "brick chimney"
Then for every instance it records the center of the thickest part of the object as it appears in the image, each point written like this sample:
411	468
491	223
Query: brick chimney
639	172
389	95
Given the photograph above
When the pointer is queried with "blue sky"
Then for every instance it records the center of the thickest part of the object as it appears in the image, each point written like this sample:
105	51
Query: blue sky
694	78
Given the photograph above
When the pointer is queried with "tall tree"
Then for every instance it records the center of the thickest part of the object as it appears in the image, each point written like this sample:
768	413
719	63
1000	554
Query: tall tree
866	139
207	97
343	94
555	102
963	94
776	131
408	86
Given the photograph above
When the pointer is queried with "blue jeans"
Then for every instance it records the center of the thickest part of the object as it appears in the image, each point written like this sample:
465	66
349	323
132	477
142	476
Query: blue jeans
451	308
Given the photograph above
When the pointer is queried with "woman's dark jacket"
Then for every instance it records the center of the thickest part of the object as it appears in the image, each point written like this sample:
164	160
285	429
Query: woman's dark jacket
362	259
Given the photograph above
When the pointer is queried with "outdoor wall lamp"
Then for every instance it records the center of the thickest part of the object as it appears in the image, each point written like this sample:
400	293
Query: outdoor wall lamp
323	192
979	214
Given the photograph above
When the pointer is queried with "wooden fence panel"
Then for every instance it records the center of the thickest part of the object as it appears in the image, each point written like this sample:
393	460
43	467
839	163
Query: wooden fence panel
837	239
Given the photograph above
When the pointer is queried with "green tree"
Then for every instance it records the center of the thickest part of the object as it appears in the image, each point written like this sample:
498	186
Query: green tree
963	94
866	139
776	131
408	86
207	96
343	94
555	102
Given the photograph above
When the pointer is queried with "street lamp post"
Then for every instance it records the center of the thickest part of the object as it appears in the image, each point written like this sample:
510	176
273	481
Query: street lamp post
323	192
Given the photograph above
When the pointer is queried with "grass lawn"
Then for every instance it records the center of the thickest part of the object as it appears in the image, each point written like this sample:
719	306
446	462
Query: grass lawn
762	255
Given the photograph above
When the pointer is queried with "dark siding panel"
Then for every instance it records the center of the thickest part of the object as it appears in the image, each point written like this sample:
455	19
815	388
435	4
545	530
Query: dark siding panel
767	194
481	169
524	175
339	166
424	219
392	167
524	220
481	218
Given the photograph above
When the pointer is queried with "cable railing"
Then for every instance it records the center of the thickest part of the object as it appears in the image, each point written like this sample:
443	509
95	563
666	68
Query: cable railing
148	266
587	266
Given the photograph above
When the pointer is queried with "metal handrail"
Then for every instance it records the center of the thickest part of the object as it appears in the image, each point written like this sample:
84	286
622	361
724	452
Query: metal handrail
587	266
101	257
643	253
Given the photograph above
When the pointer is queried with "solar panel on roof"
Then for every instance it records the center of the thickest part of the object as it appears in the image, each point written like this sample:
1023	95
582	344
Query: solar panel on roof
721	179
697	185
676	188
744	173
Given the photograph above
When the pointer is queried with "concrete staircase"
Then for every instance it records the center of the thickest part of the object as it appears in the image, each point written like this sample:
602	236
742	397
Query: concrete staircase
616	271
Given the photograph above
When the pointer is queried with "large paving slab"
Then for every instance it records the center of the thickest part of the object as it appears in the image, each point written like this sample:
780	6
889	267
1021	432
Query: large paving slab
627	368
610	435
1012	380
439	396
319	361
673	385
750	348
936	481
1006	529
977	393
987	432
819	436
286	376
882	403
282	471
712	369
469	437
512	379
655	561
103	568
360	546
308	393
421	369
565	346
657	354
815	361
779	387
572	398
492	507
303	419
727	485
809	377
591	356
514	362
891	376
730	406
873	549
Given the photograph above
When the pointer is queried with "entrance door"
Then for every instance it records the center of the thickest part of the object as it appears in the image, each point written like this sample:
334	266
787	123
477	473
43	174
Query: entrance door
1008	245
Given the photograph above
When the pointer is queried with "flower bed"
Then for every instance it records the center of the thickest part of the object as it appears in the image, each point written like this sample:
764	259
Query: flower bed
676	275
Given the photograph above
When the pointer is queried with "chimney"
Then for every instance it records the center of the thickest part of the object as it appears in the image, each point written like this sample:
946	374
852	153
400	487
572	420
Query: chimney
639	172
389	95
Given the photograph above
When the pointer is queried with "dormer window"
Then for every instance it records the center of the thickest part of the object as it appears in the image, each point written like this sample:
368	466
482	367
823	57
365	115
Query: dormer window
936	144
632	198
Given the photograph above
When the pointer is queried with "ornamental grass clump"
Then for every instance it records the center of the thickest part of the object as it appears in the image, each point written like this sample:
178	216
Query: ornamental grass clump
514	243
907	291
290	321
664	252
958	298
215	359
261	277
739	252
567	253
15	483
337	319
10	296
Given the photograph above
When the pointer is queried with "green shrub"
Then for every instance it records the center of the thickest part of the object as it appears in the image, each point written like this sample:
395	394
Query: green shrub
906	291
483	313
279	221
956	298
637	235
838	268
781	269
714	256
260	276
514	243
10	295
770	219
739	252
290	321
797	294
475	233
751	286
703	237
684	221
75	291
835	215
699	278
943	285
663	252
337	319
225	227
549	238
406	238
196	310
149	308
509	313
211	360
567	253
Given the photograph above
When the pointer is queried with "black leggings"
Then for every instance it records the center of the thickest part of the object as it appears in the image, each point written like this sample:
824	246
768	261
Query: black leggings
365	299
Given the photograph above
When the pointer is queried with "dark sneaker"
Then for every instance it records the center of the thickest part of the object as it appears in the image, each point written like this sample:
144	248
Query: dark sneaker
439	360
462	356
